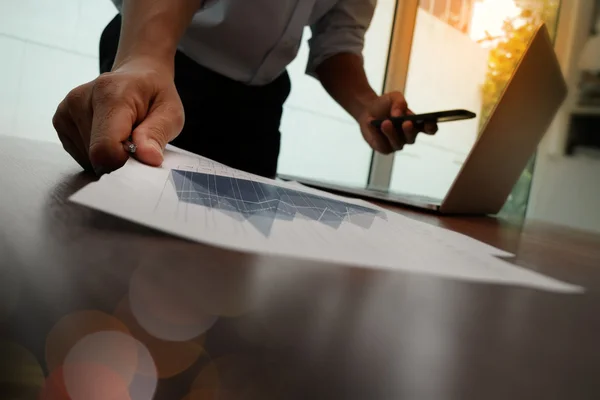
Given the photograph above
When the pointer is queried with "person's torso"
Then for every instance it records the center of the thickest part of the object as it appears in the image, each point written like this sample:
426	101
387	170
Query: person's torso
251	41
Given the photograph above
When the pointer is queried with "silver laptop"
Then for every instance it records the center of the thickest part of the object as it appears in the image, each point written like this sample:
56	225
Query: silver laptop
508	140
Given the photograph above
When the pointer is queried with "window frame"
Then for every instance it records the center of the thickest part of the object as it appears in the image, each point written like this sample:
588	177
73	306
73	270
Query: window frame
396	73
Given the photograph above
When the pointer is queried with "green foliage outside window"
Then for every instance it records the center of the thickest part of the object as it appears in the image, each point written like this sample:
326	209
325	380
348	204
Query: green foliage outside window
503	59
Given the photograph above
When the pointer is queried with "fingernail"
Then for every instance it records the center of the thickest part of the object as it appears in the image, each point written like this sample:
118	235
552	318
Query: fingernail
155	145
158	149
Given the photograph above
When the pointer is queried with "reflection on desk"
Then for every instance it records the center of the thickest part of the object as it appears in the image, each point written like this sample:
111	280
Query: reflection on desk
93	307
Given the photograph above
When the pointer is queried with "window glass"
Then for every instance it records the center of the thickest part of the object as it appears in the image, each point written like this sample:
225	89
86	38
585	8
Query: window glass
319	139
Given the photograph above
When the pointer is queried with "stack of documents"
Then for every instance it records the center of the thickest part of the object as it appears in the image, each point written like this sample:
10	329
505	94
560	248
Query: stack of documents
201	200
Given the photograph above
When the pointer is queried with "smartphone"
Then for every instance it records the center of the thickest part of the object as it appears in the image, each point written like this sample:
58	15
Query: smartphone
420	119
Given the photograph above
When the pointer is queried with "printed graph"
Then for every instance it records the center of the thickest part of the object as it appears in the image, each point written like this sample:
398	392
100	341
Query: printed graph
261	203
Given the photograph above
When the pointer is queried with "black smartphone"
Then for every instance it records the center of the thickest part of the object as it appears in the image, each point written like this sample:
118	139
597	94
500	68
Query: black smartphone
420	119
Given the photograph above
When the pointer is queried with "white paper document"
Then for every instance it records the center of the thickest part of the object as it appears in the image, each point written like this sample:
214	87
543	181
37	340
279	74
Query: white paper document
201	200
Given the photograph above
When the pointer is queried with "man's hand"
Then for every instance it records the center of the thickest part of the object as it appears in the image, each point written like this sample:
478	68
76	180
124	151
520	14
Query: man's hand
389	139
343	76
137	99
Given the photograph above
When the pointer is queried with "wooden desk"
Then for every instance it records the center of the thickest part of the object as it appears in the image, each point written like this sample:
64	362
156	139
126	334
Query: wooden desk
282	329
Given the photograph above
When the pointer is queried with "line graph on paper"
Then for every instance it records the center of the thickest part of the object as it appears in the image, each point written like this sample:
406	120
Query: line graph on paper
243	197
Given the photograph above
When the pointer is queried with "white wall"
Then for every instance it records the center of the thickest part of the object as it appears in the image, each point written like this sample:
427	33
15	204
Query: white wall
566	190
446	70
48	47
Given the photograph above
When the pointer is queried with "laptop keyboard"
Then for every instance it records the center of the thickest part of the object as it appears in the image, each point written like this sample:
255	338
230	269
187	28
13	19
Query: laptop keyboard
413	198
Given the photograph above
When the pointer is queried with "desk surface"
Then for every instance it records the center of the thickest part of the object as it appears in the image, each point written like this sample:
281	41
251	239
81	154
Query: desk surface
273	327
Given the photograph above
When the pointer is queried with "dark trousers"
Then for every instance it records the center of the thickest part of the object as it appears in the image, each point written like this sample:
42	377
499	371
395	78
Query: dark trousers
225	120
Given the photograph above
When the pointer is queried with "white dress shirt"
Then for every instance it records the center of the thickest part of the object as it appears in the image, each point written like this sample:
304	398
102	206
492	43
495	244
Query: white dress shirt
253	41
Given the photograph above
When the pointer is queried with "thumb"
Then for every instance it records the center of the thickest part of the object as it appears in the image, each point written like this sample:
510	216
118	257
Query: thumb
398	106
162	124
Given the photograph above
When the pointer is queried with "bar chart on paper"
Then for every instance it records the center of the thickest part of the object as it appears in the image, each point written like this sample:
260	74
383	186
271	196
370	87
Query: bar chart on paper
261	203
204	201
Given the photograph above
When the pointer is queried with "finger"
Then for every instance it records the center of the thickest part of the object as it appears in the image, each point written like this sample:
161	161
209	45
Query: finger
162	124
81	112
69	137
392	136
111	126
409	132
398	109
380	108
430	128
78	155
417	126
377	140
398	106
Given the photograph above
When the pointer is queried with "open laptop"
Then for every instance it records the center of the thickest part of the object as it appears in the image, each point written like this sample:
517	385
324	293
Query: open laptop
523	114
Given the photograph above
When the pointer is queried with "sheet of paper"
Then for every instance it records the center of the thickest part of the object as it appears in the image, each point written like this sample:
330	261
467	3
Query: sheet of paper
198	199
459	239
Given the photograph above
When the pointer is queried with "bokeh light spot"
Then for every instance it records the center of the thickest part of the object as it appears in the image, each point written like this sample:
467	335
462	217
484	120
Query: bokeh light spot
164	307
118	352
72	328
21	375
236	376
114	350
171	358
84	381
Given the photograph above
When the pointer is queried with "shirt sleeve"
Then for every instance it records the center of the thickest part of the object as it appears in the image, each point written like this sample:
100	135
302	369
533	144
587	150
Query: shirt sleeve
341	30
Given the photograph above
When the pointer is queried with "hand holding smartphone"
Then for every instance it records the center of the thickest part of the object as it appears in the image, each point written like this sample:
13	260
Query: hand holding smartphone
419	120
